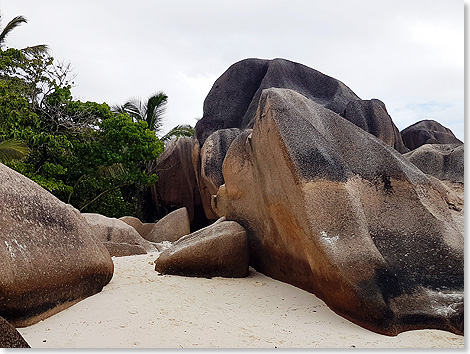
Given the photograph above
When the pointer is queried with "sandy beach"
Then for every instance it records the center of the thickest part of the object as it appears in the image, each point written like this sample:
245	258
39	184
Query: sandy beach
140	308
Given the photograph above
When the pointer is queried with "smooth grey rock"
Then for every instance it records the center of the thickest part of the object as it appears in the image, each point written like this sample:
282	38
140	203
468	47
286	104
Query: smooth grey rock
171	227
218	250
142	228
212	156
443	161
177	184
114	230
116	249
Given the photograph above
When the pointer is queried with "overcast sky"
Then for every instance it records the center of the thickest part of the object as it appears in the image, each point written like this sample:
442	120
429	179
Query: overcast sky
407	53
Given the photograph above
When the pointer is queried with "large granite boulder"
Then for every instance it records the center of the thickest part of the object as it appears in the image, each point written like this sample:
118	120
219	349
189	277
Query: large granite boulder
10	337
233	99
49	259
177	184
171	227
372	116
443	161
333	210
212	156
142	228
427	132
116	235
218	250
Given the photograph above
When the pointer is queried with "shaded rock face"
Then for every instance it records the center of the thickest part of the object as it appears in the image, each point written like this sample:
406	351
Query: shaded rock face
177	184
443	161
218	250
171	227
10	337
116	231
212	156
372	116
427	132
233	99
49	259
333	210
142	228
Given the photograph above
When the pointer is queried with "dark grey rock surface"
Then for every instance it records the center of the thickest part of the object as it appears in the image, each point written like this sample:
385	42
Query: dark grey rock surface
10	337
427	132
372	116
233	99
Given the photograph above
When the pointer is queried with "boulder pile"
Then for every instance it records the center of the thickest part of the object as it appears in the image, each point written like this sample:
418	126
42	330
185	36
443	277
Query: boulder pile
316	177
118	237
233	100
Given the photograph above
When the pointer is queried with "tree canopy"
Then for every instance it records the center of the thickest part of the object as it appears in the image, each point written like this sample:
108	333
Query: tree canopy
81	152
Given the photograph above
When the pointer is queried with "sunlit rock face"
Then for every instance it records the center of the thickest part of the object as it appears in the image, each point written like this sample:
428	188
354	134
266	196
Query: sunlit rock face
427	132
49	259
333	210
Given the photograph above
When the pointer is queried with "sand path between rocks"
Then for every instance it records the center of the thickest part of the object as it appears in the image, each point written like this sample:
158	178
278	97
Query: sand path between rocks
140	308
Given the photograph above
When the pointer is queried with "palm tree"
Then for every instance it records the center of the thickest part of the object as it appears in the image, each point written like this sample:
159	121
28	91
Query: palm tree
17	21
151	111
12	149
178	131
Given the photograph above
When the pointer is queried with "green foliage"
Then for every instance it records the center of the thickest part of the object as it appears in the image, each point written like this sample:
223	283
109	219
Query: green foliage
81	152
178	131
150	111
15	22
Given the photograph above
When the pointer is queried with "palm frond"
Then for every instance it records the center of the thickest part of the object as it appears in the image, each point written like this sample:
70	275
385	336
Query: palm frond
36	49
118	109
134	109
12	149
18	20
156	108
112	171
131	108
178	131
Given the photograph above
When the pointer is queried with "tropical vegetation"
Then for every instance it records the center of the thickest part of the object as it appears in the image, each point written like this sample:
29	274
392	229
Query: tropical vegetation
84	153
152	111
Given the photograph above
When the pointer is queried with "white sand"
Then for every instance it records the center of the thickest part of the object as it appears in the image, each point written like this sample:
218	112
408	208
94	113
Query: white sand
140	308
